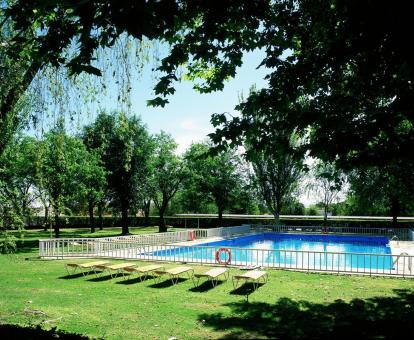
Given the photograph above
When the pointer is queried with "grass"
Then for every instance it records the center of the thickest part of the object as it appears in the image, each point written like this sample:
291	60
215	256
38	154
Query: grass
290	305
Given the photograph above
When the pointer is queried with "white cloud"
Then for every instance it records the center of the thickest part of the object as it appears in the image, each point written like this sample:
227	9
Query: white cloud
190	131
189	124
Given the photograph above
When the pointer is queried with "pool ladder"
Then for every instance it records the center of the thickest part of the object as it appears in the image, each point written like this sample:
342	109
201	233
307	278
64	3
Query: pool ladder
395	238
409	260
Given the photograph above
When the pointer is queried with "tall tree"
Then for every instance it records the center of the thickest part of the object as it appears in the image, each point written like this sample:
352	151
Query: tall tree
167	176
386	191
276	175
126	148
216	175
92	182
326	184
61	159
17	184
341	72
17	174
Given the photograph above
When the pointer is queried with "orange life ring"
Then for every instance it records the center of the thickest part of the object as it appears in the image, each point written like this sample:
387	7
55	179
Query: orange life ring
223	250
192	235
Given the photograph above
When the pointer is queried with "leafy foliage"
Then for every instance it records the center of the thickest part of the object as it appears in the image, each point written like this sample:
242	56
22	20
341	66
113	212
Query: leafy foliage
168	173
276	176
341	73
125	148
67	171
215	176
326	184
381	191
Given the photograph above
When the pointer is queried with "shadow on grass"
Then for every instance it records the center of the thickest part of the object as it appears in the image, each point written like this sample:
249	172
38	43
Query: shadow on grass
205	287
245	289
101	278
167	283
374	318
135	280
20	332
27	246
72	276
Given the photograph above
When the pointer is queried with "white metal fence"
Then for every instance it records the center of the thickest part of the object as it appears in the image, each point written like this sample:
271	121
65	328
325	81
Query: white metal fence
51	247
167	247
373	264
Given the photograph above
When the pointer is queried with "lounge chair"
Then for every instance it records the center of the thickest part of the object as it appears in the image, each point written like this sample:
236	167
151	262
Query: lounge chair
87	265
212	275
174	273
143	271
113	269
253	276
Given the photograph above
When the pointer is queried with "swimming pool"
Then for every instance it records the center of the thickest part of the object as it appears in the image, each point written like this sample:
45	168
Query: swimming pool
323	252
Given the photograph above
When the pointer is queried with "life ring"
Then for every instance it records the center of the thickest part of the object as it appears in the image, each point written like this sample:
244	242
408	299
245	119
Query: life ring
226	251
192	235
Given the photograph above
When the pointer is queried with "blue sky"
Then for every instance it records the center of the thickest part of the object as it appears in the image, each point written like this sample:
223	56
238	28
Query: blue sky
187	116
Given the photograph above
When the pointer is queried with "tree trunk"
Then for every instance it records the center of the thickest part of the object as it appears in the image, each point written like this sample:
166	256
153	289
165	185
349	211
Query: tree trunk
100	215
147	206
124	218
325	214
162	226
91	217
124	221
395	211
276	215
277	210
57	223
220	217
45	219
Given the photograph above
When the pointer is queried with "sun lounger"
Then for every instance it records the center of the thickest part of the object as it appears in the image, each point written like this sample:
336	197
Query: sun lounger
174	273
113	269
143	271
253	276
87	265
212	275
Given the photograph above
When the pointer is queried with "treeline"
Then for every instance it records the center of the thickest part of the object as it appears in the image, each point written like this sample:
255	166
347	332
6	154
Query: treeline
116	167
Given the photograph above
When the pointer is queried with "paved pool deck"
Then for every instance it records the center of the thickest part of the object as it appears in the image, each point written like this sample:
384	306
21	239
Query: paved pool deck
399	247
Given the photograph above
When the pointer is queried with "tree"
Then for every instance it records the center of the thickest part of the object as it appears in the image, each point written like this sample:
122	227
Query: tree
276	175
16	189
381	191
167	175
68	33
352	66
13	81
125	148
216	175
338	71
17	175
327	184
92	182
61	159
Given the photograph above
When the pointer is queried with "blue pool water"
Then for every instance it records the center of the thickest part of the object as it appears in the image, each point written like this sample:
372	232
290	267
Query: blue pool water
327	252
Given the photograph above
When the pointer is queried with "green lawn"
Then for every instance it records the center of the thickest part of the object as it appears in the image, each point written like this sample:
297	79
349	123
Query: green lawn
290	305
